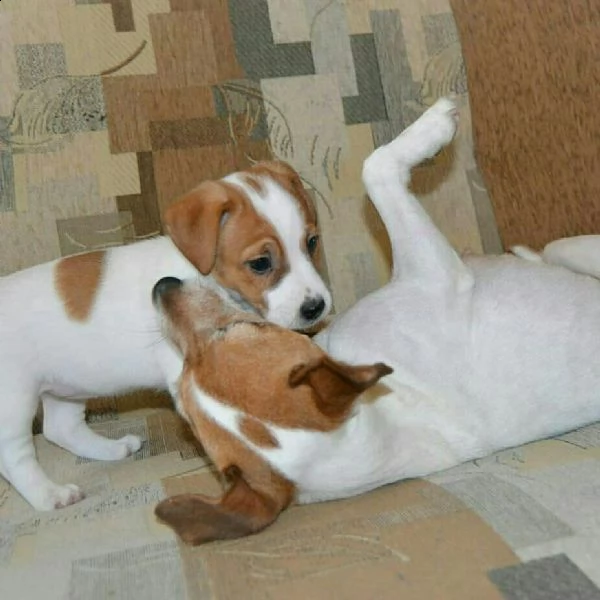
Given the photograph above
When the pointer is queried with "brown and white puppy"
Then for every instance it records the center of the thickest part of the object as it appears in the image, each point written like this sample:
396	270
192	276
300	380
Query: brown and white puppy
84	326
242	379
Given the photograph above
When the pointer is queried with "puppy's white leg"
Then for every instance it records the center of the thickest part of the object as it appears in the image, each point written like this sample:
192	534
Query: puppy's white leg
419	249
65	426
18	461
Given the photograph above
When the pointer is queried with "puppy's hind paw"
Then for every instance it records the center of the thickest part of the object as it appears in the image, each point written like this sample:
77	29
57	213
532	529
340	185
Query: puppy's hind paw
437	125
433	130
442	116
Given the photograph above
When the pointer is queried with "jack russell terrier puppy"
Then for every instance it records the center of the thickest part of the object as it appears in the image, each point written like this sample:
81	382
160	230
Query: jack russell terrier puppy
486	352
84	325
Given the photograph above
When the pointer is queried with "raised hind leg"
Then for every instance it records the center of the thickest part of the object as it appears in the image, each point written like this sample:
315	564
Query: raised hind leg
420	251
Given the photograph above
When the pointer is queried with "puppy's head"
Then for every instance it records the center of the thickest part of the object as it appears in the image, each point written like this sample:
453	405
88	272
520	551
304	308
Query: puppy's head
256	233
246	383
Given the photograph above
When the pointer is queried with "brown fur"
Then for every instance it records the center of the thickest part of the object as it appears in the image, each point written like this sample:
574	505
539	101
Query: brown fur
248	236
272	376
257	433
296	385
77	280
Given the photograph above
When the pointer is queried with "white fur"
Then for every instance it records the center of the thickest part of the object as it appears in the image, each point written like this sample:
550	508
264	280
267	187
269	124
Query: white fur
46	355
488	353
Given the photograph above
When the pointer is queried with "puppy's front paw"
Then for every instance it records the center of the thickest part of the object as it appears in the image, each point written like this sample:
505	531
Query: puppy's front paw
59	496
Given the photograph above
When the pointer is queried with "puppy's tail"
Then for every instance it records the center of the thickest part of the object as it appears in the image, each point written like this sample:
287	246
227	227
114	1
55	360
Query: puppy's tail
527	253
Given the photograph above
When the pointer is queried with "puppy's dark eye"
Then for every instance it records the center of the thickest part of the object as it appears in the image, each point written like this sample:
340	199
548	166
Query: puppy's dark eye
261	265
312	243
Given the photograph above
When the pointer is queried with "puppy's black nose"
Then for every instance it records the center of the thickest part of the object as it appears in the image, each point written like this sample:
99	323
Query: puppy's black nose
164	285
312	309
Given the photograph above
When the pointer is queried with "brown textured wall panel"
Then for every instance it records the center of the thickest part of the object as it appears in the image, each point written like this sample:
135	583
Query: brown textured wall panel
126	112
177	171
185	49
143	206
179	103
217	13
189	133
533	71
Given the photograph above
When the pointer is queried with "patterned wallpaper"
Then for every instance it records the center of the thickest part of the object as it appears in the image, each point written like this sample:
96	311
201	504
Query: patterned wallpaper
111	109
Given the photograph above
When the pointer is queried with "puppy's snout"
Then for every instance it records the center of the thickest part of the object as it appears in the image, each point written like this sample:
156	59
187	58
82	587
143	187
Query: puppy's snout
164	286
313	308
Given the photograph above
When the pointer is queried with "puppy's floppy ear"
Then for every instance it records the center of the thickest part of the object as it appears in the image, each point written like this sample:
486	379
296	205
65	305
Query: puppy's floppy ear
335	383
193	222
241	511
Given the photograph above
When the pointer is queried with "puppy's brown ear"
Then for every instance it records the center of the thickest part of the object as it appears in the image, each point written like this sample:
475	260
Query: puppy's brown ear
336	384
193	222
241	511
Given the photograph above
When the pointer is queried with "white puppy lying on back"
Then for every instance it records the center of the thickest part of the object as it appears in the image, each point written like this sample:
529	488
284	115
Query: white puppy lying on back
486	353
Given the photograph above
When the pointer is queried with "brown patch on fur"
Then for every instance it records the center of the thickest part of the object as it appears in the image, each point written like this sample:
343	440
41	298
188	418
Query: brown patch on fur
258	363
256	497
257	433
77	280
218	230
281	377
247	236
